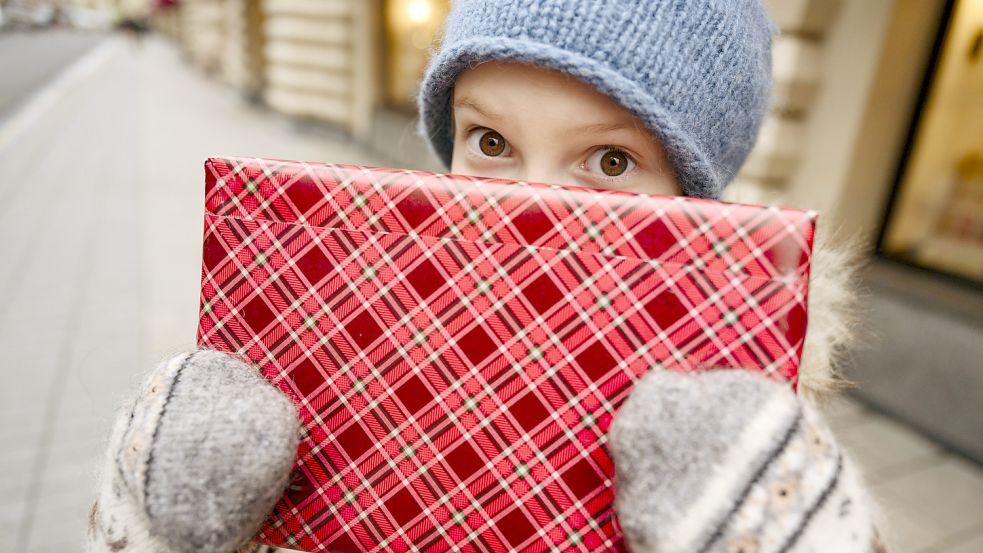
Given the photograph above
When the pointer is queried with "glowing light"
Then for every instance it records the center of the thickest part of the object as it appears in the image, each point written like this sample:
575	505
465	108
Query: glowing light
418	11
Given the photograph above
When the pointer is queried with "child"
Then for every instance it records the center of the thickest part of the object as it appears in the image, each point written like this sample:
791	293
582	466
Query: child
662	97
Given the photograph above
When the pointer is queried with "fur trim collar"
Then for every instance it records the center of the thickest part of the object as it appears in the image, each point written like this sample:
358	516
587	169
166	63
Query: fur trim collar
833	315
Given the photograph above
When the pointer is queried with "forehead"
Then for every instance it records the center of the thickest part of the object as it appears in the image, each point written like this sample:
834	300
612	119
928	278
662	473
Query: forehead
528	93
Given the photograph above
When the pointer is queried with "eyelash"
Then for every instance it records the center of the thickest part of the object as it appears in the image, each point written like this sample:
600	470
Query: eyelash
469	133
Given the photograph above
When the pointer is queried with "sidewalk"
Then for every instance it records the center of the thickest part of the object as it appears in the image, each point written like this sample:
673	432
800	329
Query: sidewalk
103	193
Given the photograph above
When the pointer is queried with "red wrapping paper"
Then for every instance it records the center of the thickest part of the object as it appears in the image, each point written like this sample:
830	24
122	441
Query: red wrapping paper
457	346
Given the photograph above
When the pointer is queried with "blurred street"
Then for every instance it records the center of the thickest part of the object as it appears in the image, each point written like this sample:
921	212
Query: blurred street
102	141
51	53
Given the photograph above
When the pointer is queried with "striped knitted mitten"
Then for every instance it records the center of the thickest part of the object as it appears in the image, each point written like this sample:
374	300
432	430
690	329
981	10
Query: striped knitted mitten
196	460
729	461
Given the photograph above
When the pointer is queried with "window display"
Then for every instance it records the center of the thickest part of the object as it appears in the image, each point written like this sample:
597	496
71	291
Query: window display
936	218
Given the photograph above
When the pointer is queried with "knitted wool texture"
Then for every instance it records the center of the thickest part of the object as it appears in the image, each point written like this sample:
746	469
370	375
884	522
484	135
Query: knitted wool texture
195	461
730	461
697	73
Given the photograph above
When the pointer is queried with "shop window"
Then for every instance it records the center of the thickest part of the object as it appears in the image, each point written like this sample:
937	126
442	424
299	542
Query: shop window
935	218
412	28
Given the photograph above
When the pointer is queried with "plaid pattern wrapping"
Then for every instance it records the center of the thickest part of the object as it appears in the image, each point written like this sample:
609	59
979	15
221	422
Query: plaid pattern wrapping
457	346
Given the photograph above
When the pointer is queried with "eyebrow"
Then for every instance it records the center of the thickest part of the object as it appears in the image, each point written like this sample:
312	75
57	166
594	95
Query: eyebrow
594	128
598	128
473	104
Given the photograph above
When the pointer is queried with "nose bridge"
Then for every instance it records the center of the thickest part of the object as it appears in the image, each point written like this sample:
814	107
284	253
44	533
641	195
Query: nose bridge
541	166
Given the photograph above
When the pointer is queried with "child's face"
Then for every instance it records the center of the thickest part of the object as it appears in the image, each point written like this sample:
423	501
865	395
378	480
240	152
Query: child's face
521	122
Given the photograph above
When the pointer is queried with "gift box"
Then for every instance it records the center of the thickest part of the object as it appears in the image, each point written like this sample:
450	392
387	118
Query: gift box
457	346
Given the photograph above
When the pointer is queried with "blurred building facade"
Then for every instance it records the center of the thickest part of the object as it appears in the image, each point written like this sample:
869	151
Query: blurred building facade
877	123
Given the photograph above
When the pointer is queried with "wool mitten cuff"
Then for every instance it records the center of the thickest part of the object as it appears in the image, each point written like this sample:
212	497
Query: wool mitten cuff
730	461
196	459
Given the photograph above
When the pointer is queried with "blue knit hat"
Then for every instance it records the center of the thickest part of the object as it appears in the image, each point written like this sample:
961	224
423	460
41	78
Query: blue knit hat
697	73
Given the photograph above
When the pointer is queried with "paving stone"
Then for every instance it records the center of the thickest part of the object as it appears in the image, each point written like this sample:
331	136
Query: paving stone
927	506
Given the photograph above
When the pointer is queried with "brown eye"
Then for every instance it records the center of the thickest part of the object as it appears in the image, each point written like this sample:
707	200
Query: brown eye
492	144
610	162
614	163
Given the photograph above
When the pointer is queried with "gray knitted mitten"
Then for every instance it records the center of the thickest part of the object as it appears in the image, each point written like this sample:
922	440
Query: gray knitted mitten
729	461
195	461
